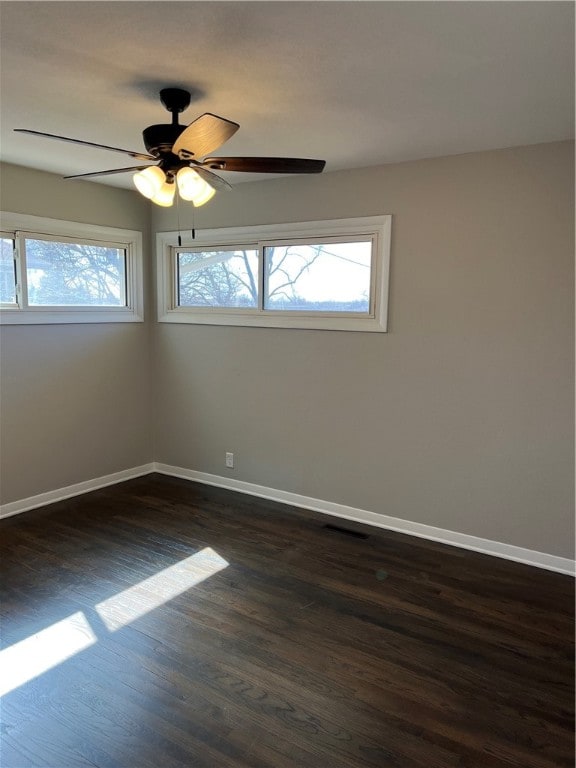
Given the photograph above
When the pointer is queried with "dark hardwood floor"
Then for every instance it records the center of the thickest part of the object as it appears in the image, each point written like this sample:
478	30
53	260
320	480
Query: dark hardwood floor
161	623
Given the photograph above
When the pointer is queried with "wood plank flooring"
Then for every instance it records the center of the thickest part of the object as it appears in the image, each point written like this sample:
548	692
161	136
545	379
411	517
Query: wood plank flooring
162	623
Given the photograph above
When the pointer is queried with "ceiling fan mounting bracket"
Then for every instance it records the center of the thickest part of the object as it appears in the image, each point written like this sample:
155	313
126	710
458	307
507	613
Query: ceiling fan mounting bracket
175	100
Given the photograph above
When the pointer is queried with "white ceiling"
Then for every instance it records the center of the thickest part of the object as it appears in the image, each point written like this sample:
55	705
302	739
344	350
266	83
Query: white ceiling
354	83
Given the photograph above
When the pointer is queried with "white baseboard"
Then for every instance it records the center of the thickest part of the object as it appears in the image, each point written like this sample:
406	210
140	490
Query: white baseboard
455	539
23	505
463	540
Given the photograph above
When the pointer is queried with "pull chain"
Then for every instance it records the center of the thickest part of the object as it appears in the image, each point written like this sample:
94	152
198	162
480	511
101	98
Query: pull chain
193	230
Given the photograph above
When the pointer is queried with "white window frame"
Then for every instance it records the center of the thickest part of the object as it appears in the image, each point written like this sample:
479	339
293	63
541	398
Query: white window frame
22	226
378	228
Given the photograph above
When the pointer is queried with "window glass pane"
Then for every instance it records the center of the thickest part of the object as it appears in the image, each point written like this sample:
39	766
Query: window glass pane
218	278
7	273
73	274
318	277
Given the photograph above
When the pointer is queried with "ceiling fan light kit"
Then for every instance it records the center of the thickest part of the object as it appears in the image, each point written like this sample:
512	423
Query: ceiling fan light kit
165	195
149	181
192	187
158	187
177	151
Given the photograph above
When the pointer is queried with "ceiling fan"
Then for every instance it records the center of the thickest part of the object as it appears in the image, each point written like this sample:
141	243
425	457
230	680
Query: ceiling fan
180	156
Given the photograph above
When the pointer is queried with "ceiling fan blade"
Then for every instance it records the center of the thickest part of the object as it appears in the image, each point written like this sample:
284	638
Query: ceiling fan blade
212	179
136	155
203	135
264	164
106	173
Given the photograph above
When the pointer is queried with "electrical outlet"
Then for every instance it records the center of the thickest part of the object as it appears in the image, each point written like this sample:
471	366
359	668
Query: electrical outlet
230	460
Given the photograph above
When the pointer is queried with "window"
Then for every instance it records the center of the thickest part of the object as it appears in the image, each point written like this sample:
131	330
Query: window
7	270
53	271
226	277
329	275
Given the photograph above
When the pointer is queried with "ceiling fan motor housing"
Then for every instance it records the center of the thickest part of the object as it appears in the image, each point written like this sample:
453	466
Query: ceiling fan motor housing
159	139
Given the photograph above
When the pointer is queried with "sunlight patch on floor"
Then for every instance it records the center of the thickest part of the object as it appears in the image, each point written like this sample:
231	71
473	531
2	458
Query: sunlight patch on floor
136	601
44	650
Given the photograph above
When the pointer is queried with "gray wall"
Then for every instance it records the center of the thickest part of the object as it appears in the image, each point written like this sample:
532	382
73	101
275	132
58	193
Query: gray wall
462	415
75	399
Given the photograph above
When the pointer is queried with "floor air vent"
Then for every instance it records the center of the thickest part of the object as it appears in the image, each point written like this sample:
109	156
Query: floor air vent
346	531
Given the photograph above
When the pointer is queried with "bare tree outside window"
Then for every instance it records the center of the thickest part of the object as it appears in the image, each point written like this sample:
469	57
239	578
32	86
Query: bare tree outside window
222	278
318	277
73	274
306	277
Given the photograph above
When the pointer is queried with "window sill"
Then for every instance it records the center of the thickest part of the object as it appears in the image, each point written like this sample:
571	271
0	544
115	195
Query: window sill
256	319
63	316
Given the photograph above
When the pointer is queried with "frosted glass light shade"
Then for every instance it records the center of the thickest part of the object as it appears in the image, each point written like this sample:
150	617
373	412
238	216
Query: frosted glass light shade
165	195
192	187
149	181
